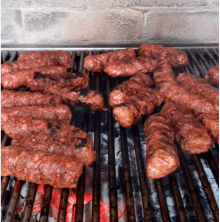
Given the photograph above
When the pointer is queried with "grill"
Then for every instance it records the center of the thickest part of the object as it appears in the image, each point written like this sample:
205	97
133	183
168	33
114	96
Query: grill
115	187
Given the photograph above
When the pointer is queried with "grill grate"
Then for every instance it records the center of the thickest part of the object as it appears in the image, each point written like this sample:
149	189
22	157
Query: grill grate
115	187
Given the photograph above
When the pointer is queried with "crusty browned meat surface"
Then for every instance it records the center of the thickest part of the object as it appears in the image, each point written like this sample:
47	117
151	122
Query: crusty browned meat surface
70	95
196	84
130	67
15	127
211	123
142	103
164	81
29	60
129	88
30	78
189	132
57	113
41	167
213	75
161	153
175	57
73	142
8	67
97	63
11	98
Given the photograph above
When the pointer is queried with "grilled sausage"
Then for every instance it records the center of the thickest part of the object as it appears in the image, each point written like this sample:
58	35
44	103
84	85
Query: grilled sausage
58	112
161	153
175	57
39	167
73	142
136	106
29	60
189	132
96	63
130	67
199	86
129	88
213	75
10	98
30	78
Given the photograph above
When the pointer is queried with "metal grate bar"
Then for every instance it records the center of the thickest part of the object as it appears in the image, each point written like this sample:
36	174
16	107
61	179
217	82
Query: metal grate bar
5	55
13	201
206	187
63	205
190	186
29	202
46	203
162	201
189	66
142	176
96	164
177	198
212	164
127	177
214	51
211	57
81	182
202	72
111	163
203	59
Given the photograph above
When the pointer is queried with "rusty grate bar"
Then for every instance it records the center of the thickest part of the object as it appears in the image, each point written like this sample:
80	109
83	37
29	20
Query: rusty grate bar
212	164
177	198
46	203
111	163
211	57
13	201
190	186
207	189
201	70
29	202
96	164
142	176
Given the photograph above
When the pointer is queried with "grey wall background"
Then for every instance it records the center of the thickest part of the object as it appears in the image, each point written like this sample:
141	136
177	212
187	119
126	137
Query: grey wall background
92	22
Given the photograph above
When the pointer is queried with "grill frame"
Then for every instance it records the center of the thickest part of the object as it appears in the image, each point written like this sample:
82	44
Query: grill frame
195	66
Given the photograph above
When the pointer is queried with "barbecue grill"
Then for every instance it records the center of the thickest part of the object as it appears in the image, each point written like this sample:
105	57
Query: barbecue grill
115	187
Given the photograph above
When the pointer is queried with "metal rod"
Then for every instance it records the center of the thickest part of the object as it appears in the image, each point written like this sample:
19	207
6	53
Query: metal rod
162	201
212	164
13	201
216	52
206	186
5	55
81	182
191	188
96	165
29	202
111	163
203	59
202	72
46	203
177	198
211	57
191	70
73	60
4	184
127	177
13	56
142	176
63	205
